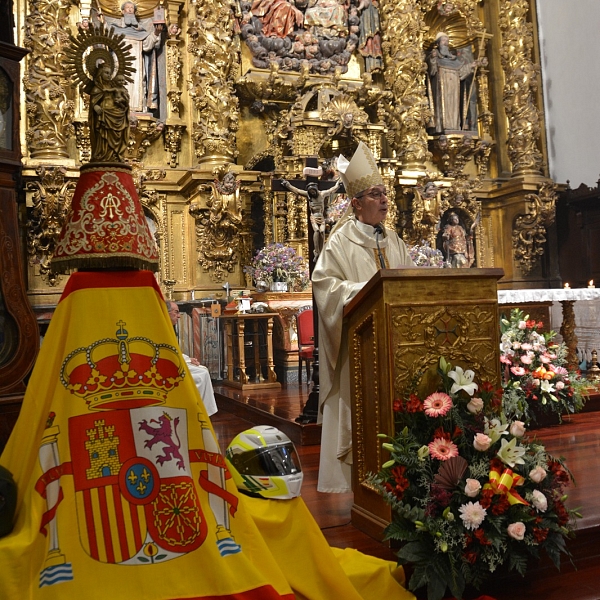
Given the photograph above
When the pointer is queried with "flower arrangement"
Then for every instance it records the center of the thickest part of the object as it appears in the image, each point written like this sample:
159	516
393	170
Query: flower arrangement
336	209
425	256
534	376
277	262
469	492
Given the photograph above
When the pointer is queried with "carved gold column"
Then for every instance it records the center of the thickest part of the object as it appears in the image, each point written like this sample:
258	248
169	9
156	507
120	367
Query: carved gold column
174	66
269	216
405	77
48	93
520	88
212	51
174	128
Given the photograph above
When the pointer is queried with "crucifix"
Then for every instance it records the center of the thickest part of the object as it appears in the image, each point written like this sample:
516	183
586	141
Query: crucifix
317	193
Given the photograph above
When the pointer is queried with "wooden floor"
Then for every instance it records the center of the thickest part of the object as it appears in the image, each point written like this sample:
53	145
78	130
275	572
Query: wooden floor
578	441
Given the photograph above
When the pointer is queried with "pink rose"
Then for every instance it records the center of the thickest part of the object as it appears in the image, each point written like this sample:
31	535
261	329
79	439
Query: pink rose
559	385
538	474
522	325
482	442
472	488
539	501
517	530
517	429
475	405
518	371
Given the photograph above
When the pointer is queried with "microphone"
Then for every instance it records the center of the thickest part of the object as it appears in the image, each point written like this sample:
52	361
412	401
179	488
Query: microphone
379	231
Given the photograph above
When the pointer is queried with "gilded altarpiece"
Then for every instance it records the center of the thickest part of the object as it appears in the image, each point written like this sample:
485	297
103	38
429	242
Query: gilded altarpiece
233	100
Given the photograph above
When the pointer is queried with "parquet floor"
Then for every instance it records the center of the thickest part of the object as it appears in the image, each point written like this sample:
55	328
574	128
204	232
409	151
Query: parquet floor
578	441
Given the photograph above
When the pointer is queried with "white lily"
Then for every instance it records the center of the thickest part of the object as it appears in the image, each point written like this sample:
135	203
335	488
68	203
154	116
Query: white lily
547	386
463	380
511	453
495	429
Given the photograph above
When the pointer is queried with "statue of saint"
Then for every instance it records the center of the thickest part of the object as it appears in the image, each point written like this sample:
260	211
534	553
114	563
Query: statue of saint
279	18
108	116
327	15
146	36
369	39
103	71
451	87
457	243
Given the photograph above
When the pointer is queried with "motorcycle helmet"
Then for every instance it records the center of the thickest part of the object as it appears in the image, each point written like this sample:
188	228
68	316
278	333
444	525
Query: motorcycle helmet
263	461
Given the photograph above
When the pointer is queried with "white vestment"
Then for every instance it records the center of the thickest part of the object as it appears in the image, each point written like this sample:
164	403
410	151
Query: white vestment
347	262
201	376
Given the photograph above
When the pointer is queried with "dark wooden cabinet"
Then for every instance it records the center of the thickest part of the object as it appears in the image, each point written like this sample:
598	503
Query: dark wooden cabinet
19	336
578	235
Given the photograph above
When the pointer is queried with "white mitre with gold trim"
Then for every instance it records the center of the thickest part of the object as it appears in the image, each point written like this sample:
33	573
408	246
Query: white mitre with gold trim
361	172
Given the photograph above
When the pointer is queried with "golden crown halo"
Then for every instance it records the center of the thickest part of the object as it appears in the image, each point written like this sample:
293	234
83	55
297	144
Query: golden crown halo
122	372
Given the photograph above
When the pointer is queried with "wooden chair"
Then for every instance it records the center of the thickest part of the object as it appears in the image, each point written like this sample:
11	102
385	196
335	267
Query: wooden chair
306	341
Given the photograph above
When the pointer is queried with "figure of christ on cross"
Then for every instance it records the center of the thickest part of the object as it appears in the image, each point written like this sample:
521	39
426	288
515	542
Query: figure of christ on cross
317	193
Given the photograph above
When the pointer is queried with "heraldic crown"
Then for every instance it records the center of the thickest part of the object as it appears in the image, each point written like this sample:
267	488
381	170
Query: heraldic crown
122	372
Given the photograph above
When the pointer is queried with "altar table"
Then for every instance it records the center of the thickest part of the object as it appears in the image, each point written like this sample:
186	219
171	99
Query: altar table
252	333
567	298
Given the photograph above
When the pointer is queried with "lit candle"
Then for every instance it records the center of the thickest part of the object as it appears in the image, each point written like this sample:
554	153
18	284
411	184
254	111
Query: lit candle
591	283
567	286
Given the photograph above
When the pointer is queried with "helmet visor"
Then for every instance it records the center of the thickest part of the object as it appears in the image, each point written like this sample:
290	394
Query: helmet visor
274	460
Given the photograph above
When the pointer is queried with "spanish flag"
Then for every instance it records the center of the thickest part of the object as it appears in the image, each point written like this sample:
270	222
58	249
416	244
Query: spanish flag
314	569
122	490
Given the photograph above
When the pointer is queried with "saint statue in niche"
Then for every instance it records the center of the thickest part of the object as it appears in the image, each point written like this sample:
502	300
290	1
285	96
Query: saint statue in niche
451	87
147	37
457	242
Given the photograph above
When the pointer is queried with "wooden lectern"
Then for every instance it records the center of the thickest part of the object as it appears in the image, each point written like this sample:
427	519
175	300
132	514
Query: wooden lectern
399	325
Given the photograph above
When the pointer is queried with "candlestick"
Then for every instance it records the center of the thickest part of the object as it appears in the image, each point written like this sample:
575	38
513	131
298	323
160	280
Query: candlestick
591	283
567	286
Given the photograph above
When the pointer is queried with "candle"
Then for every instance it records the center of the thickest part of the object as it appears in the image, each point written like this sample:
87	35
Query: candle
591	283
567	286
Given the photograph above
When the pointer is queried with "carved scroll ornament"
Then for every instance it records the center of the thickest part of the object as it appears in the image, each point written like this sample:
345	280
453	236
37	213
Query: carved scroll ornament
529	230
218	227
51	199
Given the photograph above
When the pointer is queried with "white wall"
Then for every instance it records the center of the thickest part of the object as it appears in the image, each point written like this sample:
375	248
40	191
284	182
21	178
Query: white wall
570	56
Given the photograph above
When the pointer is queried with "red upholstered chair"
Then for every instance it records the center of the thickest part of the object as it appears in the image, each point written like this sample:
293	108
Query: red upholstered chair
306	341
